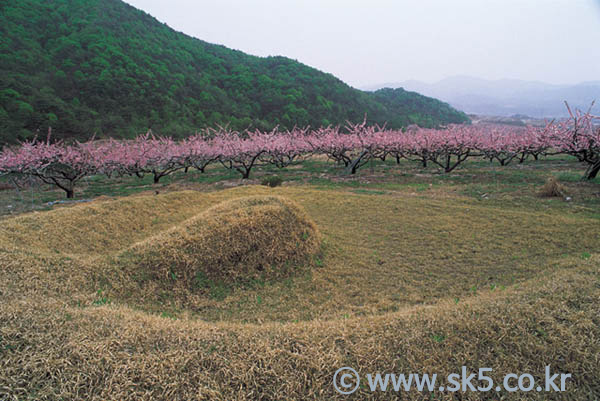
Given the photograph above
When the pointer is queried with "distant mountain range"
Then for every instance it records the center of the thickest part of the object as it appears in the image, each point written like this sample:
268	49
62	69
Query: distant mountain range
505	97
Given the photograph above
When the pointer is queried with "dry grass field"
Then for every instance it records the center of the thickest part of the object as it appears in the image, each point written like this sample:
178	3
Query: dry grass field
381	278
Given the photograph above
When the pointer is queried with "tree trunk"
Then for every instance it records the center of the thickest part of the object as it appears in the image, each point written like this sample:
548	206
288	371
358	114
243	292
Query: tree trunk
448	169
70	193
156	178
592	171
352	167
522	158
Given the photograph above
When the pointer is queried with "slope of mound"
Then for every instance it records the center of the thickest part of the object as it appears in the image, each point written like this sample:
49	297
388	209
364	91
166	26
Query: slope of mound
99	227
248	238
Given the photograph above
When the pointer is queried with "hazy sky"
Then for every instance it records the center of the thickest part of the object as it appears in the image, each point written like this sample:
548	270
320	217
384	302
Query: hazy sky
373	41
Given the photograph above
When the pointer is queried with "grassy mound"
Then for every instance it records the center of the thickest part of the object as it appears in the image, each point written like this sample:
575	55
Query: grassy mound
407	282
249	238
100	227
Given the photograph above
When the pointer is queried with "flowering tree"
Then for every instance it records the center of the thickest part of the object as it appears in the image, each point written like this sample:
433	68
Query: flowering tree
353	147
451	146
240	152
579	137
498	144
415	146
198	151
123	157
535	142
63	165
366	141
163	156
56	163
332	143
284	148
145	154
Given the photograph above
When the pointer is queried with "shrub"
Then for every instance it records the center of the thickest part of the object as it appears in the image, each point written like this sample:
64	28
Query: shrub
272	181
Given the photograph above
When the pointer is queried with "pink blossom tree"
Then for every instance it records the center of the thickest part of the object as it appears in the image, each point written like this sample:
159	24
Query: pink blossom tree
199	151
240	152
499	143
56	164
284	148
579	136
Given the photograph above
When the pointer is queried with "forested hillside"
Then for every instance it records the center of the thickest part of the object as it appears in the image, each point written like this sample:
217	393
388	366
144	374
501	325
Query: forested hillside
104	68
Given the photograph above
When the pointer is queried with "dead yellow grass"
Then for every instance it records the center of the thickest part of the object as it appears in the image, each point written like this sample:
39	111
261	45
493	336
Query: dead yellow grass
407	284
238	239
99	227
248	238
553	188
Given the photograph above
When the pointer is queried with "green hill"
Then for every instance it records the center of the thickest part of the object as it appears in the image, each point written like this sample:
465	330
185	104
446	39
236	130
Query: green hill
102	67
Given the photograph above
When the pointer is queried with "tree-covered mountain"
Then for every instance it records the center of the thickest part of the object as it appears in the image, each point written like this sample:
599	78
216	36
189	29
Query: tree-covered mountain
102	67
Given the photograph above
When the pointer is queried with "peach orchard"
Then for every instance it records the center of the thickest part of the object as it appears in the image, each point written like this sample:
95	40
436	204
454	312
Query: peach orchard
64	164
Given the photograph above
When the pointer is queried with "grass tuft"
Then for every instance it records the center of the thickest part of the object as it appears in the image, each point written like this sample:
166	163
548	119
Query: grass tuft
552	188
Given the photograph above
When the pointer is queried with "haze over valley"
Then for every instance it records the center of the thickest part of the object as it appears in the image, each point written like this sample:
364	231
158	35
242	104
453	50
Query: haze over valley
504	97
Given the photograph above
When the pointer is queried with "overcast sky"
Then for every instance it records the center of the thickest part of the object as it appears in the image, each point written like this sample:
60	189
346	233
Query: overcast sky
373	41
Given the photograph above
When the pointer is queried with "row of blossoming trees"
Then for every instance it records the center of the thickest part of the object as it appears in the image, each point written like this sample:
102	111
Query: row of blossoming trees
64	164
